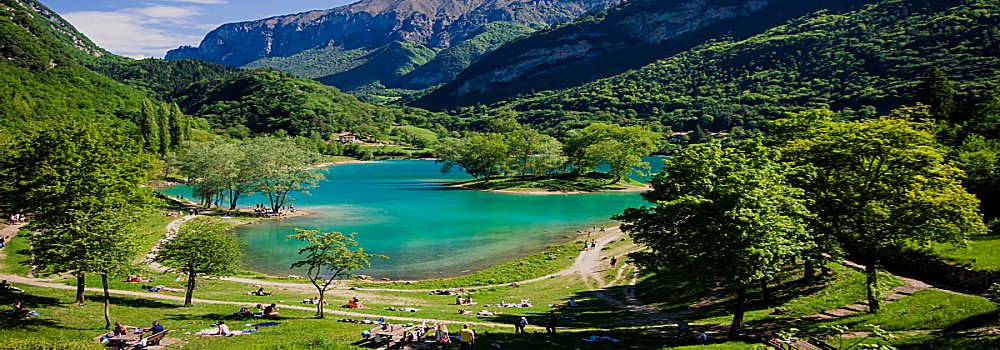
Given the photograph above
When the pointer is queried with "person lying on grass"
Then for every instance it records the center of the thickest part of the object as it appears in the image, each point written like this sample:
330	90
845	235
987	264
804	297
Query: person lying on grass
259	292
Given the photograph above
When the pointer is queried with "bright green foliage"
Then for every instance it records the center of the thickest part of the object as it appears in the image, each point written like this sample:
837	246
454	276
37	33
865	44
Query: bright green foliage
270	165
177	125
728	214
263	102
201	249
330	254
621	147
878	184
481	155
65	170
149	126
936	91
281	168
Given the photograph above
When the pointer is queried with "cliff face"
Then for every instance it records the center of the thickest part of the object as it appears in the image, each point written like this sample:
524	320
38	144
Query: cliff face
371	24
626	37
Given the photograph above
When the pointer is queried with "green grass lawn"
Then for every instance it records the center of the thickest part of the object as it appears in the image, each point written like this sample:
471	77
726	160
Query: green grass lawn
926	310
531	266
14	262
981	254
590	182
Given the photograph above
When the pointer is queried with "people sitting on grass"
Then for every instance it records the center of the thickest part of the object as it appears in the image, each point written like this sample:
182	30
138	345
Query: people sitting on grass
161	288
259	292
271	311
523	303
136	279
6	286
243	313
313	301
223	329
20	310
354	304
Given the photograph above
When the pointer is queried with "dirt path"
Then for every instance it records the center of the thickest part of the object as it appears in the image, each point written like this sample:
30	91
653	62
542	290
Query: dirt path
50	285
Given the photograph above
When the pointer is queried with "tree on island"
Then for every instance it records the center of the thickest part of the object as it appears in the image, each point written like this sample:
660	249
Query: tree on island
201	249
65	170
880	184
281	167
728	214
329	253
621	147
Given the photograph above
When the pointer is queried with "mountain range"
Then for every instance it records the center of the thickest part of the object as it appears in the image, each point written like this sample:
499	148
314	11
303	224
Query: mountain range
383	43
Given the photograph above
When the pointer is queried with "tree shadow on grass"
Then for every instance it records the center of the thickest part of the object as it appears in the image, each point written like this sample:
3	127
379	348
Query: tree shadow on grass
136	302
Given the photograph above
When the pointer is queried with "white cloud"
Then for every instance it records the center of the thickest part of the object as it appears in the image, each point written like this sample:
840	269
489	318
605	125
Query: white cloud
174	14
135	32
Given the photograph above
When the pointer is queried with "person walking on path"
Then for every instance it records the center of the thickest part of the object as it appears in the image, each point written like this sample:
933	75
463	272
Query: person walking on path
553	320
519	326
466	337
614	260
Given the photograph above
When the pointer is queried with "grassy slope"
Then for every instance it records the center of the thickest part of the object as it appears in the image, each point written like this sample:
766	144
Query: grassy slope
981	254
924	311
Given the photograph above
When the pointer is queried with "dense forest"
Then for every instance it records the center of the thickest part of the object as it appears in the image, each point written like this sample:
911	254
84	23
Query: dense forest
859	63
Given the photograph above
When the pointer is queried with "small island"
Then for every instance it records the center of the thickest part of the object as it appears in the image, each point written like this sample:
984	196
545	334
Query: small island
557	184
509	157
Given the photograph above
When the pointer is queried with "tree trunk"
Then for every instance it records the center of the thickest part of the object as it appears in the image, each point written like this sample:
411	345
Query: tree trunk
80	285
190	289
872	274
319	306
810	270
741	300
107	302
765	290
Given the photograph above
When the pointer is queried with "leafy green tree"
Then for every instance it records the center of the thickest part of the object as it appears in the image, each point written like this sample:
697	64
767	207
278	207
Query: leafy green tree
112	244
481	155
201	249
878	184
330	254
281	168
621	147
728	214
65	168
936	91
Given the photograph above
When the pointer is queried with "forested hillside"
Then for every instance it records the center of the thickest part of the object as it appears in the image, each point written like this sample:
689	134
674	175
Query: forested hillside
860	62
42	76
367	47
257	101
605	43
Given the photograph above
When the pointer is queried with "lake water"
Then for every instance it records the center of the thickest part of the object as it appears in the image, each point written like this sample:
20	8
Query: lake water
404	210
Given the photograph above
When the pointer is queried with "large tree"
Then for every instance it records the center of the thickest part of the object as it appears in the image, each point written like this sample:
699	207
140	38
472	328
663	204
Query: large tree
725	213
328	257
201	249
112	246
66	168
281	168
880	184
620	147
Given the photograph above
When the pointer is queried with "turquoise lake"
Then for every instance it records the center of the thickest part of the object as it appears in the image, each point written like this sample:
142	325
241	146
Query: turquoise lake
404	209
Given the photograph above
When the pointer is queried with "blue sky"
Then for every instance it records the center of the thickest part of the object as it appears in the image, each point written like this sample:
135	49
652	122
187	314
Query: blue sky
149	28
